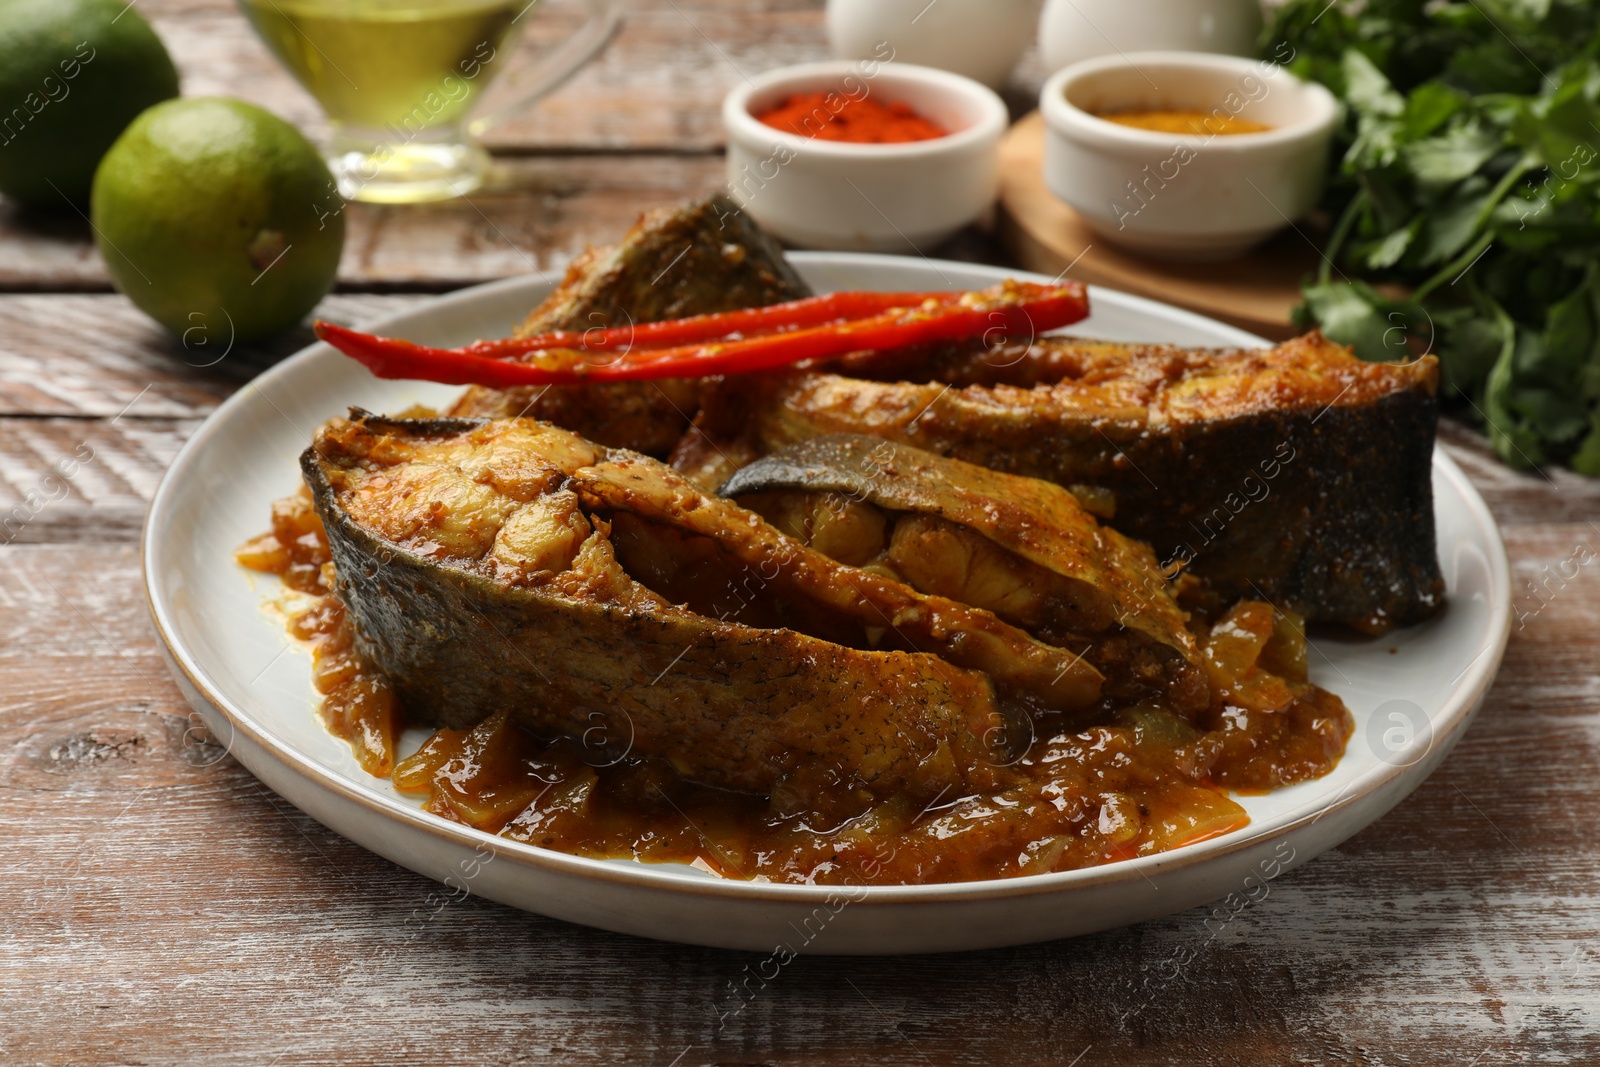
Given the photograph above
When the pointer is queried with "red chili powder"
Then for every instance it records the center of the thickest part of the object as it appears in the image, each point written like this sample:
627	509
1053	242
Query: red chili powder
836	117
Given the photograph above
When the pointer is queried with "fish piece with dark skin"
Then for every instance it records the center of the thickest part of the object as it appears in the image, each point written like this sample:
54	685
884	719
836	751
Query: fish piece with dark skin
1296	474
1020	547
843	603
492	565
698	260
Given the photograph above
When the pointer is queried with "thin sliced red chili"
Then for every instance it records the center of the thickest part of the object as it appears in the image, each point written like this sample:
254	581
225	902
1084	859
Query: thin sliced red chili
1005	312
746	322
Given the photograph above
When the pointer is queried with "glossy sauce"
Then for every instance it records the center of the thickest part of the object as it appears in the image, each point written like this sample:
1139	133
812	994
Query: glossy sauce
1142	781
357	704
1192	123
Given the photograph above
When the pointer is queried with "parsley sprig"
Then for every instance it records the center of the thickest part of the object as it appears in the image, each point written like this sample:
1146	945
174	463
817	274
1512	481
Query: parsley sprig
1467	203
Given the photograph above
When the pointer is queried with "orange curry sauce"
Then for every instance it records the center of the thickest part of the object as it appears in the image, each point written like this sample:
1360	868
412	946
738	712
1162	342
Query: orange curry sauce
1144	781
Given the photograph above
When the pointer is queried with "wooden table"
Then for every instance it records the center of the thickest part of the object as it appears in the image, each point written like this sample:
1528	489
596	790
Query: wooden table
162	908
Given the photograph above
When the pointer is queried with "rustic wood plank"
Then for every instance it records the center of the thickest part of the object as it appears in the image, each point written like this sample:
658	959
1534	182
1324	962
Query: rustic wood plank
1551	495
82	480
86	356
533	214
187	914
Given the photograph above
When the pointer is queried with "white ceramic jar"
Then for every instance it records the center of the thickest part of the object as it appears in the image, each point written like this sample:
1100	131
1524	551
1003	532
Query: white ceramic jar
1073	30
982	39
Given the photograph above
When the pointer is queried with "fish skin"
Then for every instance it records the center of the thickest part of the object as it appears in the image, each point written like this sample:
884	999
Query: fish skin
702	259
1115	583
1298	474
726	704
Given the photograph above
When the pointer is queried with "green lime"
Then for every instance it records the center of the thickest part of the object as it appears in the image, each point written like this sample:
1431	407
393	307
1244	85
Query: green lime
218	220
73	74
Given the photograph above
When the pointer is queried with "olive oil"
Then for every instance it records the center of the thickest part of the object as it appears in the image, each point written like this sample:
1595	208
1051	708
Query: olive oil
400	67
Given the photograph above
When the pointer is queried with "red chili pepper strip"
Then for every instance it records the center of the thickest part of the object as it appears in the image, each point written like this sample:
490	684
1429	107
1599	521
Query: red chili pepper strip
746	322
1010	310
1025	317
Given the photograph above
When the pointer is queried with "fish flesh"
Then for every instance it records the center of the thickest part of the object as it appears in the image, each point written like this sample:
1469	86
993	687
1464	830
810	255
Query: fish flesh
706	258
1020	547
493	565
1296	474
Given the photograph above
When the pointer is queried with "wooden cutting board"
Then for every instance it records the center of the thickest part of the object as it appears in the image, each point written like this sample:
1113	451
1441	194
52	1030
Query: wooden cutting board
1256	292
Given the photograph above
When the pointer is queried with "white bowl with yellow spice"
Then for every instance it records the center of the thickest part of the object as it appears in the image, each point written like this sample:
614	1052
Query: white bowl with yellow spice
1184	155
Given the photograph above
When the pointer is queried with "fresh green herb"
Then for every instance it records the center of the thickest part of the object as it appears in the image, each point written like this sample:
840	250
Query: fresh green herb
1467	203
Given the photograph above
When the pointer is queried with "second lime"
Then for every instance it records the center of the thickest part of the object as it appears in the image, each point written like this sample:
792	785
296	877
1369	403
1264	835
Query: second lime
217	219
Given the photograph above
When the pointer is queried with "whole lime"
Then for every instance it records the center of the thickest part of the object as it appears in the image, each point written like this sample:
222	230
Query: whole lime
73	74
218	219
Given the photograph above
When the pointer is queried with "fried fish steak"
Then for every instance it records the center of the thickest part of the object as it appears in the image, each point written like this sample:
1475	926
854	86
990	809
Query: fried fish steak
1022	548
508	564
1296	474
699	260
687	543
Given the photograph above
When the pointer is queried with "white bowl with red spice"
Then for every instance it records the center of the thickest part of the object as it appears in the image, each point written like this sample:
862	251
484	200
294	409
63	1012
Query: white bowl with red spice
819	183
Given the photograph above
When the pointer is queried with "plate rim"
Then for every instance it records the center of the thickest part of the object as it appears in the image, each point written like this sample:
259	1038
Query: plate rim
1457	711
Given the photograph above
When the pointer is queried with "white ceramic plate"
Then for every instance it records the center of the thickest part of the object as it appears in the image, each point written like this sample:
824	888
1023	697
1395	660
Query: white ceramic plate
252	685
